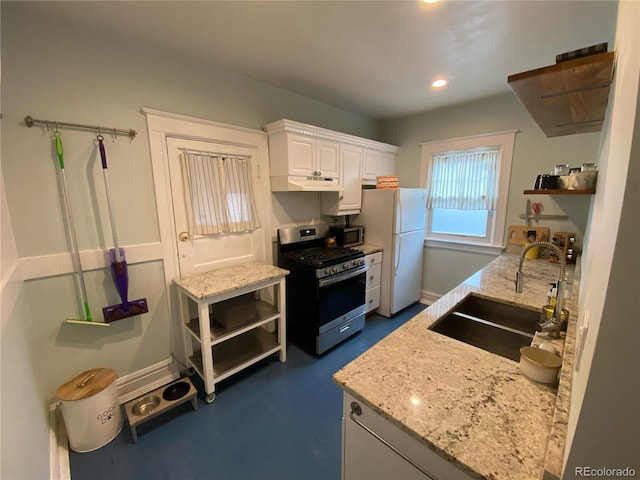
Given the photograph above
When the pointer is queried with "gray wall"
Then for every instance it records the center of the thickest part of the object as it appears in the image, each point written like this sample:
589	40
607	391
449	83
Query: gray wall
534	153
56	70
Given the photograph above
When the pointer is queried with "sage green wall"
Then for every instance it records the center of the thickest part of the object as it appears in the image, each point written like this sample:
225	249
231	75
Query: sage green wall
53	69
534	153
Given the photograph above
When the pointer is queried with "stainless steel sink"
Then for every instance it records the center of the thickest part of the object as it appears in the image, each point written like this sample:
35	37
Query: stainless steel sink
490	325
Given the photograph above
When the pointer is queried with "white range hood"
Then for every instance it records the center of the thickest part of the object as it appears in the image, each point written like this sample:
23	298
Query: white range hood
287	183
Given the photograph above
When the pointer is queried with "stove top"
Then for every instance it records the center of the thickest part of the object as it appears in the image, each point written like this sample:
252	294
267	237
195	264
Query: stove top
321	257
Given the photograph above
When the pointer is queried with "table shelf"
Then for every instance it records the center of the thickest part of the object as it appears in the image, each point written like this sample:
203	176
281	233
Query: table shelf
250	300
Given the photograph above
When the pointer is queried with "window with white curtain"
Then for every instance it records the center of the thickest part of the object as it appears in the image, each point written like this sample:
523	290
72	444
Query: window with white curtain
219	190
467	181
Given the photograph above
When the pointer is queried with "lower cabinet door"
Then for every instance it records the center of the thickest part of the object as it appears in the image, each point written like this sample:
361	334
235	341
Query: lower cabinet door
367	458
375	449
372	298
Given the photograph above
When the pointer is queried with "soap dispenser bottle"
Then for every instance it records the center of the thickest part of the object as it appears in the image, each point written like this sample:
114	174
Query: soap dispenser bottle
552	294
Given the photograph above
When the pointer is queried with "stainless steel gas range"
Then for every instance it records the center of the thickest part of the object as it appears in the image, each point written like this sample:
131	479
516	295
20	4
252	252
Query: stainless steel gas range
325	289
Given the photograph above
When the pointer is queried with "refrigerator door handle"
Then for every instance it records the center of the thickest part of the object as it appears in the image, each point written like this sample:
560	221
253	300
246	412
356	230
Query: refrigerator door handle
400	214
398	256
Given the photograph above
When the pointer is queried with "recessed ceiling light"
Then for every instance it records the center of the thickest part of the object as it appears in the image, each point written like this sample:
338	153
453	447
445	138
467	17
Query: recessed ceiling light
429	1
439	83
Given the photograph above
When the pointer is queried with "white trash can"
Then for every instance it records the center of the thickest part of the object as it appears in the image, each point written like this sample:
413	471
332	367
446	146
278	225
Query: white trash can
90	409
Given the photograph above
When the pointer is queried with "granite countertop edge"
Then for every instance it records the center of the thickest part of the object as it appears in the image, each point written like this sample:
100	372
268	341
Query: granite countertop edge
534	414
228	279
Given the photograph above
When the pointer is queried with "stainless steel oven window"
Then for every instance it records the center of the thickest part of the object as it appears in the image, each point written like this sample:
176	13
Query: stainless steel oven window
338	296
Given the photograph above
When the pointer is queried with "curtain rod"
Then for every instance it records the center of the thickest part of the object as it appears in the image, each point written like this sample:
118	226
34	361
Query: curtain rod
216	154
30	122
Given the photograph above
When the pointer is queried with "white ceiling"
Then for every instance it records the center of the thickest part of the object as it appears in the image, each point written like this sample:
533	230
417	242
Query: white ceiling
376	58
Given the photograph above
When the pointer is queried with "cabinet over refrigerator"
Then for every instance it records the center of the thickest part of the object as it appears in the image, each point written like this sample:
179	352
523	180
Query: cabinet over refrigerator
394	219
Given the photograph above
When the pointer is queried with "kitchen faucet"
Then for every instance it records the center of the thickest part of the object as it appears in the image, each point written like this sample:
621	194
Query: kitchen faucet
554	324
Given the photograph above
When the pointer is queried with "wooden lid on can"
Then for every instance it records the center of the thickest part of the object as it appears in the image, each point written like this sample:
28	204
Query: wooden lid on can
87	384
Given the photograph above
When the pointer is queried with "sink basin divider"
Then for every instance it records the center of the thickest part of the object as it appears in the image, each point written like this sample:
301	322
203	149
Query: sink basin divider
487	322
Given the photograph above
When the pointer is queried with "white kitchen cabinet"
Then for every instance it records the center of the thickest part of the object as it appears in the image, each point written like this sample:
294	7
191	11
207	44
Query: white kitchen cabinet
375	449
349	199
372	296
377	163
308	158
233	317
327	154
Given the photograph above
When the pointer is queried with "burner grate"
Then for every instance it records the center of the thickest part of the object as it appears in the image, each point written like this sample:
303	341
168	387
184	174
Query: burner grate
320	257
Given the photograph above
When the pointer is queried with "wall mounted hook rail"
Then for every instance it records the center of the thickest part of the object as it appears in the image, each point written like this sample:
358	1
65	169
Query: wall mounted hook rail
30	122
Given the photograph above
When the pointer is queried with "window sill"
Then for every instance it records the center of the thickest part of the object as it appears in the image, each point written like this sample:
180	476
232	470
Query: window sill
469	247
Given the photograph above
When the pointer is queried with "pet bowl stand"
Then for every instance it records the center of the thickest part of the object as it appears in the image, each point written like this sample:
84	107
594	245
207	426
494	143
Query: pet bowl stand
154	403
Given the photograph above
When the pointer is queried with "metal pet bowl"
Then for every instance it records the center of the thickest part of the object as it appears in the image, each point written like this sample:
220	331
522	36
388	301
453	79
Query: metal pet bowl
176	391
145	405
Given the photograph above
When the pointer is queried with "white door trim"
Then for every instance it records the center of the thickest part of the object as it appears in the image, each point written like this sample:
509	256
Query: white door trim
161	125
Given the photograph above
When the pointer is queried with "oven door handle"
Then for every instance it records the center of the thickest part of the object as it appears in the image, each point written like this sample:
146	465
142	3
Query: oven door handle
342	276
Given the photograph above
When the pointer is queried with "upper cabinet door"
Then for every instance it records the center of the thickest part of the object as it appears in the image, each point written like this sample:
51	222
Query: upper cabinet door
302	155
327	155
351	197
386	164
370	165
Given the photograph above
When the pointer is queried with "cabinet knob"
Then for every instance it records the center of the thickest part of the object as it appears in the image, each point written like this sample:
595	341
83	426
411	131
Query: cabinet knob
184	236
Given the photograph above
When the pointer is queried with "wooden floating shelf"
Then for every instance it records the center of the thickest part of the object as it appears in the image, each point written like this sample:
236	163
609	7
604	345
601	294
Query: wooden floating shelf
557	191
568	97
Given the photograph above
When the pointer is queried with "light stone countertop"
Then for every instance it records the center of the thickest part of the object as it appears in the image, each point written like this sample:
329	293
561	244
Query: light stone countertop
475	409
368	249
228	279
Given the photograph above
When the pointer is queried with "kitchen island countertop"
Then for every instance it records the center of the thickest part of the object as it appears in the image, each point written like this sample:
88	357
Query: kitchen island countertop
473	408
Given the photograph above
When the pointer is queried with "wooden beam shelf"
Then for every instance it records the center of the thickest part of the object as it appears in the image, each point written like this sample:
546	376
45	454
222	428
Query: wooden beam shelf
568	97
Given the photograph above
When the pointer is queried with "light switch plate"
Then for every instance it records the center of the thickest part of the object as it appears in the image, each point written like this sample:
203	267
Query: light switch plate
582	335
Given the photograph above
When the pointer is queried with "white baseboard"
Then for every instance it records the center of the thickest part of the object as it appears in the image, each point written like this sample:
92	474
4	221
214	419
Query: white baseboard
59	468
429	297
138	383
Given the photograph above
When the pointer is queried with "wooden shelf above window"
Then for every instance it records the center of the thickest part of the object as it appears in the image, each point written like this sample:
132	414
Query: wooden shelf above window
560	192
568	97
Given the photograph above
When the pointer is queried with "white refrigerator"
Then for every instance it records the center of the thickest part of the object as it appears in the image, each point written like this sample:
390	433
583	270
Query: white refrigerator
394	219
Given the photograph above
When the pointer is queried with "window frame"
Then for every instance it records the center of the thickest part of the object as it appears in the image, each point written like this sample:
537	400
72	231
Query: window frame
493	242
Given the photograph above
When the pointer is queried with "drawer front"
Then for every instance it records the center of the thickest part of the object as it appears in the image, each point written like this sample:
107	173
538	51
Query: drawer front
372	298
373	276
373	258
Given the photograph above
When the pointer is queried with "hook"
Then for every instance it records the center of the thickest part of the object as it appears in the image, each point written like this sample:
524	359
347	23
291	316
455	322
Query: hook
56	130
115	134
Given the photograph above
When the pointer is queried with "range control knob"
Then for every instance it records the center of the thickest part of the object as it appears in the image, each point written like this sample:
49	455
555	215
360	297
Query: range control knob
334	269
345	266
327	271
